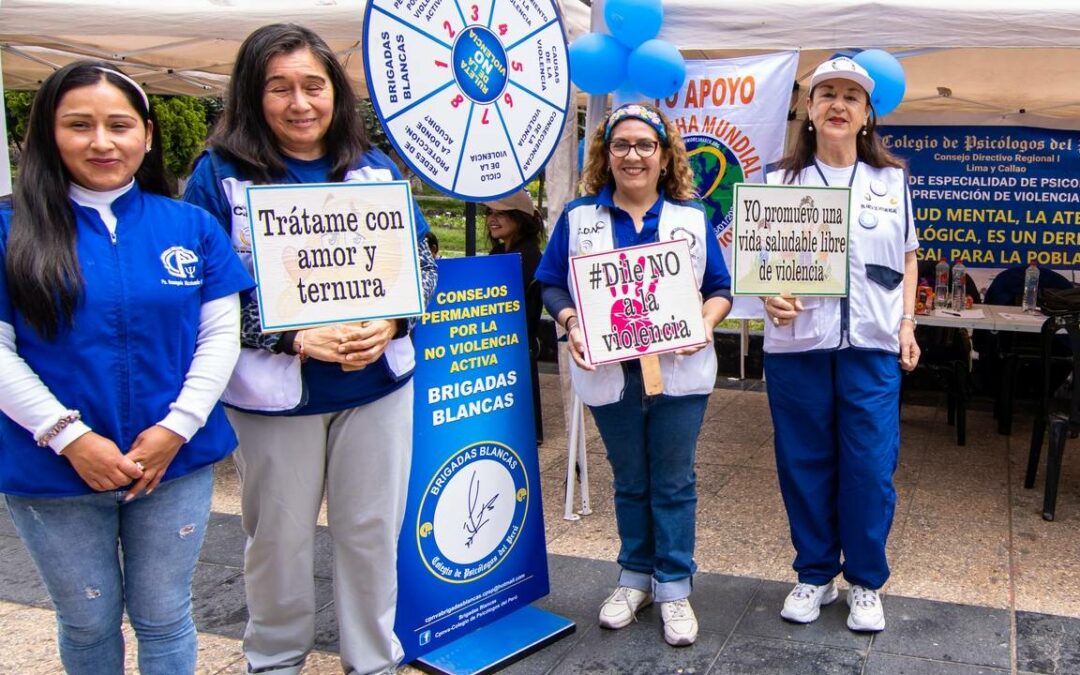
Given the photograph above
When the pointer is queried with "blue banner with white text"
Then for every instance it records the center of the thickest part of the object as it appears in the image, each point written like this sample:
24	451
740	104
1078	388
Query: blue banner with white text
993	196
472	545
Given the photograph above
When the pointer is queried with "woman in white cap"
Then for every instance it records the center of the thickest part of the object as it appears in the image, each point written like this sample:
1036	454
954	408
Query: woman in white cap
831	363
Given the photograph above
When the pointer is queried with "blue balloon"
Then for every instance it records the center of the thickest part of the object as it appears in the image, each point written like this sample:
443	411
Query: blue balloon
633	21
889	80
657	69
597	63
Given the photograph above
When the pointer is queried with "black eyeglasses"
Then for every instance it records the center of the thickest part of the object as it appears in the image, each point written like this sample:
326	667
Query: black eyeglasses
621	148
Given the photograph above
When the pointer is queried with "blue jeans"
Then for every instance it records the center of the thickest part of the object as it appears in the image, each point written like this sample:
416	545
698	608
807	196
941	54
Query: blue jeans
651	442
77	542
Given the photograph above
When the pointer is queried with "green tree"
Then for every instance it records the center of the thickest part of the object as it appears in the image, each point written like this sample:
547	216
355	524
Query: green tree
183	130
17	104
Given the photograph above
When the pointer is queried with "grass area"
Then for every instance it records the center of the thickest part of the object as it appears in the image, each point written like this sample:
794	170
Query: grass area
756	325
446	216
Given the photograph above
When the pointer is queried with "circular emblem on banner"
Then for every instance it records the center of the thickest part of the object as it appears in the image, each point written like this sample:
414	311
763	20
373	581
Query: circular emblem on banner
717	170
472	512
472	96
479	64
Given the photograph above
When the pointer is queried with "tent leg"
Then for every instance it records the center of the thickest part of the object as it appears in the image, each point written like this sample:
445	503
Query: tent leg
744	346
582	457
573	437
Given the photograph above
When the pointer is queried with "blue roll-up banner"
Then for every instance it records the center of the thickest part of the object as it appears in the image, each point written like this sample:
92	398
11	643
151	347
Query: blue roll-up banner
993	196
472	545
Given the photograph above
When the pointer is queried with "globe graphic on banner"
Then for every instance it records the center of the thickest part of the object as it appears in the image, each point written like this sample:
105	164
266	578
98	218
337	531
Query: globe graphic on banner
717	170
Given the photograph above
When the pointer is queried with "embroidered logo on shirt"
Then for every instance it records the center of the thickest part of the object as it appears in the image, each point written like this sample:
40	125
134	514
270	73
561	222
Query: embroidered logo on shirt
179	262
182	264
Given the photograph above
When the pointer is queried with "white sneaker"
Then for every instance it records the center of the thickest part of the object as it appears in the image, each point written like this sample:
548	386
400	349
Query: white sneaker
866	611
803	603
620	608
680	624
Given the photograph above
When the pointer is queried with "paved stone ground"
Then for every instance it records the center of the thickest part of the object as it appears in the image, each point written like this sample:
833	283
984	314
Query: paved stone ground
981	584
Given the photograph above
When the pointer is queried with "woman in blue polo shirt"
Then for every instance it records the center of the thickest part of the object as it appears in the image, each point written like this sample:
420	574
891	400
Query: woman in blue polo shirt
317	409
119	324
640	190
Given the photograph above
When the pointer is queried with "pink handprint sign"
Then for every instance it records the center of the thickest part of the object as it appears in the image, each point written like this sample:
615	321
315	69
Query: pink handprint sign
637	301
632	301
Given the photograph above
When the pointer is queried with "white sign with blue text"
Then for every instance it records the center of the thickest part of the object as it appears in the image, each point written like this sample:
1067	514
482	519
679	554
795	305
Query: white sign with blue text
473	95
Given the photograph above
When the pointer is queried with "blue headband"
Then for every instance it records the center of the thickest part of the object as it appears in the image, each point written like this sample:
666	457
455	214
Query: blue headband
636	112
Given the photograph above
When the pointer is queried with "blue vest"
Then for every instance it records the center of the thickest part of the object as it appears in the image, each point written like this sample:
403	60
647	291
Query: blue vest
124	357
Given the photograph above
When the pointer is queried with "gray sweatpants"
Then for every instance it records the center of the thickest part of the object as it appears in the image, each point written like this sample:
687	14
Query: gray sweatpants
362	457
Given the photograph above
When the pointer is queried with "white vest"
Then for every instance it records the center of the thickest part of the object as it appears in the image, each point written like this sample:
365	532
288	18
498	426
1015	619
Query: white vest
590	231
882	231
270	382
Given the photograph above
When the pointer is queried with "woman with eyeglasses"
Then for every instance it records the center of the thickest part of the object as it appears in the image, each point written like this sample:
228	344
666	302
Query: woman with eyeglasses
640	189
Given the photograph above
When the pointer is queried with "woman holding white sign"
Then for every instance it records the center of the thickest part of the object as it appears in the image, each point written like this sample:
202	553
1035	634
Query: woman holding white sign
119	326
640	190
318	409
831	363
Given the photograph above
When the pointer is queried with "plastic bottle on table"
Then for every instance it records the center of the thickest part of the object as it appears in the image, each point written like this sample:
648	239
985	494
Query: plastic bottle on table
1031	288
941	285
959	286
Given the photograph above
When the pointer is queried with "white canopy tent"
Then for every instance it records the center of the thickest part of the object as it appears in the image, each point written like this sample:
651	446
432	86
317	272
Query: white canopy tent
988	57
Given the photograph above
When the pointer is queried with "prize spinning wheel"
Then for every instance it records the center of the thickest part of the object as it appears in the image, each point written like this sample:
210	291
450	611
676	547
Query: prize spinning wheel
472	93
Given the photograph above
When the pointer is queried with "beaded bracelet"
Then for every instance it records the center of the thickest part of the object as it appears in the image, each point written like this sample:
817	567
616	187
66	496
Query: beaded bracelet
69	418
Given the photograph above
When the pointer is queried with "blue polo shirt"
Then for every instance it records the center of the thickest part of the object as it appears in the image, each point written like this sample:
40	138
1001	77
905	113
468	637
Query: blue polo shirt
123	358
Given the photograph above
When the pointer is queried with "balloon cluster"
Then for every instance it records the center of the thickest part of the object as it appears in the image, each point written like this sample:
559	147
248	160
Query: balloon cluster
630	61
888	76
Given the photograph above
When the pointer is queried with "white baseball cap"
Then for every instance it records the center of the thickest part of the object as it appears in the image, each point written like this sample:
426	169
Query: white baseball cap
842	68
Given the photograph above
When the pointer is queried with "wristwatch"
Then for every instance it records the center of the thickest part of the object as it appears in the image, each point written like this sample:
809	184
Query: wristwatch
911	318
